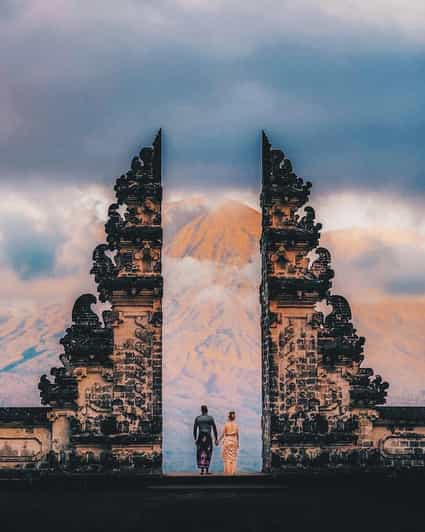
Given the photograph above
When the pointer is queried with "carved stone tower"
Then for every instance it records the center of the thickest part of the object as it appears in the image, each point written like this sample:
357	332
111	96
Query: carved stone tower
135	291
109	390
314	391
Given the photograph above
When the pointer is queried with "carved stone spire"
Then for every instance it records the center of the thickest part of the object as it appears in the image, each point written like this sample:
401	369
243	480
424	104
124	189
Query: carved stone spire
130	279
110	382
87	342
312	380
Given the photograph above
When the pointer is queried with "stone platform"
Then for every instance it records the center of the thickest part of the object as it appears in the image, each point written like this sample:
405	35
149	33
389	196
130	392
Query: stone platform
238	504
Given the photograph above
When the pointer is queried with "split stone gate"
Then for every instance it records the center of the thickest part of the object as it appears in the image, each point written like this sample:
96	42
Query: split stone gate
103	405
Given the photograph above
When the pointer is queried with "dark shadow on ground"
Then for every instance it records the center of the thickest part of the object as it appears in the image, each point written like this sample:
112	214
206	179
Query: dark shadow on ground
238	504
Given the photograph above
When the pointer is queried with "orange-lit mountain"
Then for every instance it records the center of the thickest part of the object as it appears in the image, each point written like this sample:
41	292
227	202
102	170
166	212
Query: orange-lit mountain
228	234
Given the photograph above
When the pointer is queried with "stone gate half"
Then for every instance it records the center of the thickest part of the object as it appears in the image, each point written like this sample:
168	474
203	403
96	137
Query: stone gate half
106	398
320	406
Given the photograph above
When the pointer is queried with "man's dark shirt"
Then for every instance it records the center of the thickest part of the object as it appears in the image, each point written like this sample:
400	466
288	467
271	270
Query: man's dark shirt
203	425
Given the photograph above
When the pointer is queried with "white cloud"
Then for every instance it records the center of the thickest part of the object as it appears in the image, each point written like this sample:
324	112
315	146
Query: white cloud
191	202
18	205
70	217
366	210
366	232
405	19
83	217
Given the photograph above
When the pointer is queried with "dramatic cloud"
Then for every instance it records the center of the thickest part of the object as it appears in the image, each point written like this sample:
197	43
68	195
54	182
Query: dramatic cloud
46	241
234	26
47	236
338	84
377	242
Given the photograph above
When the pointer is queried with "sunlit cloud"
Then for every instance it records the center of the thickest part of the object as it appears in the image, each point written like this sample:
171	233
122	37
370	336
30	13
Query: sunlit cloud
365	209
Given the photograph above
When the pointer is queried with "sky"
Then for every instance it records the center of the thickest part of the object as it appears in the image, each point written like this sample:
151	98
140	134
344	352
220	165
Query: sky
339	85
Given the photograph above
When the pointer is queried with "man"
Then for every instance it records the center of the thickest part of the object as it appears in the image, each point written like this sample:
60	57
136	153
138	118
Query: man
202	435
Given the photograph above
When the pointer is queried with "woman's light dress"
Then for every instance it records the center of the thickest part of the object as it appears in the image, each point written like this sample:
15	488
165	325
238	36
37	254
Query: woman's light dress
229	451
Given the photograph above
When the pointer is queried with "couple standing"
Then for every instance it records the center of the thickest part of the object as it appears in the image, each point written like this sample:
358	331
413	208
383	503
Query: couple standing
202	428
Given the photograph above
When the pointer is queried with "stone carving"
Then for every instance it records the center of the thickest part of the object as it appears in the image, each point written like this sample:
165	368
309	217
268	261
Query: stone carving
149	258
134	369
405	445
143	176
62	392
113	226
279	259
278	173
338	341
103	269
307	221
365	391
148	213
19	449
87	342
312	375
321	267
137	363
99	397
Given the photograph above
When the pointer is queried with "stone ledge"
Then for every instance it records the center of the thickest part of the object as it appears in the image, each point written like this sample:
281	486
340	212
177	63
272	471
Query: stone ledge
24	416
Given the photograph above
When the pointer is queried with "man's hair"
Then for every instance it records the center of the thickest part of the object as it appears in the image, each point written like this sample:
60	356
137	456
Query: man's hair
232	415
204	409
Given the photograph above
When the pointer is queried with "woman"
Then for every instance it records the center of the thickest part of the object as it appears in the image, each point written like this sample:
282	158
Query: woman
230	438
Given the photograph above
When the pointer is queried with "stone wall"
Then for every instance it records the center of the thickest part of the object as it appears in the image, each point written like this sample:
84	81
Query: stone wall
25	437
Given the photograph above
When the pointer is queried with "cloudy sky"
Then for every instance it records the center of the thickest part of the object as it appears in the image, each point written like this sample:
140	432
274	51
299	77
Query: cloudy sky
338	84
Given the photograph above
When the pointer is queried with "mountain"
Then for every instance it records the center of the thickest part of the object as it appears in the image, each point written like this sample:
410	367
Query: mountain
228	235
178	213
